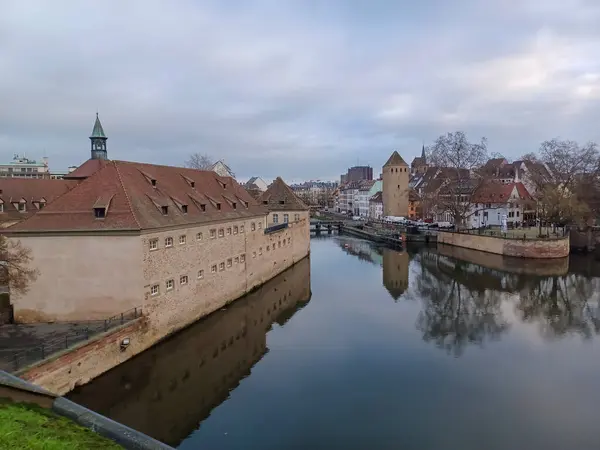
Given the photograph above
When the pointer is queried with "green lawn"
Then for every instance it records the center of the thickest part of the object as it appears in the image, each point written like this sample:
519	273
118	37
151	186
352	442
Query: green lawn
24	426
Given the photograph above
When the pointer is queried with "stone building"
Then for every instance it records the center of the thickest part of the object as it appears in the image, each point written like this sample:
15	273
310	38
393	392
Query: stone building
284	206
177	242
419	164
395	186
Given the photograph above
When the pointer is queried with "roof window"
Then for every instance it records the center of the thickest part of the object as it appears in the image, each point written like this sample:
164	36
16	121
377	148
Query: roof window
99	213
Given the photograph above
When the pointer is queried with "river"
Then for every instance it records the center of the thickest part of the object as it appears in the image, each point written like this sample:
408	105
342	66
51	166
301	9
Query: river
362	347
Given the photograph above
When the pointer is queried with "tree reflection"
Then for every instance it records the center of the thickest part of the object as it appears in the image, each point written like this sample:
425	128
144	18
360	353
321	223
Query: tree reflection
457	311
562	305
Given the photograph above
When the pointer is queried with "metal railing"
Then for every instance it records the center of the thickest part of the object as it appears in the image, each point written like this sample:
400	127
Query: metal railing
276	227
517	234
12	361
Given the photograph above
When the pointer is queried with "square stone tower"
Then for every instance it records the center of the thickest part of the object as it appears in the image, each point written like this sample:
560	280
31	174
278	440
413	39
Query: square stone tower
396	174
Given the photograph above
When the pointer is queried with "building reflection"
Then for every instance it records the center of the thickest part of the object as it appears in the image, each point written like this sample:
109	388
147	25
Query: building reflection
395	264
169	389
395	272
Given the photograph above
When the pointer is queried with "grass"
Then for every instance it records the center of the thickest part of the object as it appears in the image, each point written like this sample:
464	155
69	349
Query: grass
25	426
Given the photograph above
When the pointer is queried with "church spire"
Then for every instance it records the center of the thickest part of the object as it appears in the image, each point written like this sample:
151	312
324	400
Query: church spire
423	153
98	139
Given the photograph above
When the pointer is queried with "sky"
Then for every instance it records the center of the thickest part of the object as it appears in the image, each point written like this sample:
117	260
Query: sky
301	89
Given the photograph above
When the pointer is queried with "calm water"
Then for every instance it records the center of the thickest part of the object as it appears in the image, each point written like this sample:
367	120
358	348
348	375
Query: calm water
364	347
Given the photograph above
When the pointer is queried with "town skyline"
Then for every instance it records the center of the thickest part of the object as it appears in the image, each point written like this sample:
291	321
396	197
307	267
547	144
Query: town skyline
292	89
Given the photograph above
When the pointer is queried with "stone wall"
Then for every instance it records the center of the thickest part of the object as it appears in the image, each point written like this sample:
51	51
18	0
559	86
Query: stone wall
529	248
81	278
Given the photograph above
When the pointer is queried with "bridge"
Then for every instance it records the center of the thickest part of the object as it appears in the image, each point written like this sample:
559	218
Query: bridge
320	225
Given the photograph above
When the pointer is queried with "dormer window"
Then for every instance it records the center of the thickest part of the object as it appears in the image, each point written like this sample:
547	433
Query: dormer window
99	213
265	202
164	210
219	206
184	209
193	184
203	207
281	202
1	207
234	205
22	206
153	182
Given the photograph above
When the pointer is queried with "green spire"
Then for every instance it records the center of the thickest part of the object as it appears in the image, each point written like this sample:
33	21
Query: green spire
98	132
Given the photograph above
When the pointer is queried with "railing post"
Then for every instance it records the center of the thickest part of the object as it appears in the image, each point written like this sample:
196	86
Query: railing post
121	318
66	341
43	356
105	325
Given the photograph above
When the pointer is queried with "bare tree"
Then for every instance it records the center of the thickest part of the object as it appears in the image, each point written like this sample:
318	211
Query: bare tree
558	179
459	162
15	259
199	161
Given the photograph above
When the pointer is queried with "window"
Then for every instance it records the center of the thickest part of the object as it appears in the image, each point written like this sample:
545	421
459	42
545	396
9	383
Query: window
213	233
99	213
200	274
219	206
221	232
286	218
203	207
154	289
229	231
170	284
164	210
198	236
259	225
296	217
213	268
235	230
281	202
153	244
284	242
268	247
289	240
254	254
242	258
1	207
169	242
182	239
237	259
22	207
517	213
241	228
252	226
275	218
234	205
184	209
229	262
279	244
183	279
260	250
221	266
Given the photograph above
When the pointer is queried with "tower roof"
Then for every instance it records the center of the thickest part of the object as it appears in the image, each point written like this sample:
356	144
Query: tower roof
395	160
423	153
98	131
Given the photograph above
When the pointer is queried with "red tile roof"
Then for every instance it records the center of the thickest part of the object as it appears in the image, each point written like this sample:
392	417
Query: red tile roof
279	196
88	168
136	193
31	190
493	192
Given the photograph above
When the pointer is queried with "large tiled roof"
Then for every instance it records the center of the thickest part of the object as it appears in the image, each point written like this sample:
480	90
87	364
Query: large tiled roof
279	196
395	160
15	190
493	192
134	195
88	168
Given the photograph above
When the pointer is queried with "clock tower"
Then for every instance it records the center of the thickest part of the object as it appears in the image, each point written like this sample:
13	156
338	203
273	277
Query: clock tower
98	139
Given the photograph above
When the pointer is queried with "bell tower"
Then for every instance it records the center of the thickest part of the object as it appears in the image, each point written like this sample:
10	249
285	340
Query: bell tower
98	139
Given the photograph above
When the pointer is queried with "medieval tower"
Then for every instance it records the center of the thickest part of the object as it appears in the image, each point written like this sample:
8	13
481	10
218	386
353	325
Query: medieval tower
395	186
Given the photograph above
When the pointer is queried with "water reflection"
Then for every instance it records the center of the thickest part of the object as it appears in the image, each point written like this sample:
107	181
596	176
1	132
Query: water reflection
168	390
465	300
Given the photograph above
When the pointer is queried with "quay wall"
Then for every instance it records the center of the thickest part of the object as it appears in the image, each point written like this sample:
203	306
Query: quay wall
521	248
265	256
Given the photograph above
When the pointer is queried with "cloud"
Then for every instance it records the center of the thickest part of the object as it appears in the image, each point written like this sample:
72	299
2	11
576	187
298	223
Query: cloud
300	89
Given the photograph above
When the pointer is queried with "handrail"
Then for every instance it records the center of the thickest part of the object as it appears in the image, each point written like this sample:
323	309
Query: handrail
13	361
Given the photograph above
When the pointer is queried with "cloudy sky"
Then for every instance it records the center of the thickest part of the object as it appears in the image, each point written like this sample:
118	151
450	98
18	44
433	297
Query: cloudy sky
297	88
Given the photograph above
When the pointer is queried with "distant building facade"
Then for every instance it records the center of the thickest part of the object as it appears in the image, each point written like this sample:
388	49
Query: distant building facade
22	167
222	169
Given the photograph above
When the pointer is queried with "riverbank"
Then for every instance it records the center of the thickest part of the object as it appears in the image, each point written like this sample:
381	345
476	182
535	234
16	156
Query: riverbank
28	426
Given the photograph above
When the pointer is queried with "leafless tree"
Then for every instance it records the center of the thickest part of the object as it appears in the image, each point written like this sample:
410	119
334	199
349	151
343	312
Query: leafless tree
199	161
14	261
459	161
562	178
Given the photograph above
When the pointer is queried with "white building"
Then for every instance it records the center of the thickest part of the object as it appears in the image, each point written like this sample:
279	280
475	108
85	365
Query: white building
222	169
22	167
256	183
495	201
376	206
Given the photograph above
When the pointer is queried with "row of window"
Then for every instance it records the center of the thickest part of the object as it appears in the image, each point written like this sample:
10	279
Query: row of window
184	279
213	233
285	218
285	242
22	205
